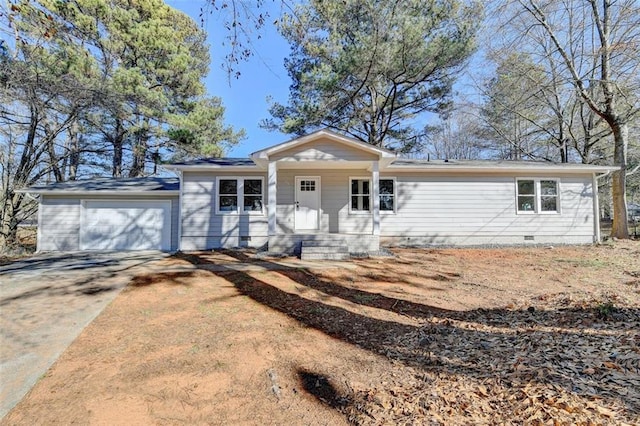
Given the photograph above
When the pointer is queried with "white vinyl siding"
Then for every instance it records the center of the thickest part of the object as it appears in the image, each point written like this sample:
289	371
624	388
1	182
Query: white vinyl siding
203	229
429	209
481	210
324	150
334	209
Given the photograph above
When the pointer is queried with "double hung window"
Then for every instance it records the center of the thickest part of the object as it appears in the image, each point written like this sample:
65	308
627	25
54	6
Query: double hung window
537	196
360	193
244	195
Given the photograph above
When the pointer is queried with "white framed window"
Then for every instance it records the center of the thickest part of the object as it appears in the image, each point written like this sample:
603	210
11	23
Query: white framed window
252	200
387	195
537	195
239	195
227	195
360	193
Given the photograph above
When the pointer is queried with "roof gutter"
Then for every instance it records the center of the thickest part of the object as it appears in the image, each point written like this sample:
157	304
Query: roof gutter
97	192
500	170
210	167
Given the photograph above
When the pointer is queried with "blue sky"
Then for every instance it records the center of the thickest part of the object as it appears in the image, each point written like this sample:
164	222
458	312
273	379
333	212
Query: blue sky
263	75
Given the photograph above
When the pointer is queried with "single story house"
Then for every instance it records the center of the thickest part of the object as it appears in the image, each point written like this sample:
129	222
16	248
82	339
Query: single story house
325	189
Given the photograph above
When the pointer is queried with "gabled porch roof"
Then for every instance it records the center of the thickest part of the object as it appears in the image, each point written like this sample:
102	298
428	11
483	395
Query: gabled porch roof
264	156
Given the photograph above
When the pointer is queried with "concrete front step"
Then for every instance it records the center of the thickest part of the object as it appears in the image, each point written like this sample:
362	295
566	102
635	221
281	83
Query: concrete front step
292	243
317	250
324	256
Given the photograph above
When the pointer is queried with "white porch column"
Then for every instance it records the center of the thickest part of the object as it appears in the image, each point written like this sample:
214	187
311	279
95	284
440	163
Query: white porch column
271	198
375	193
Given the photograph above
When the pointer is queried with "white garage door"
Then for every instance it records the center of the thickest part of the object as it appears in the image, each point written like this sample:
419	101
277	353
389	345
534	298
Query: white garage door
125	225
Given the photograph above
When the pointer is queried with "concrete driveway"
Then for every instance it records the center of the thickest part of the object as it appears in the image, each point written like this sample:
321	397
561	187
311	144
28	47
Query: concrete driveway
46	301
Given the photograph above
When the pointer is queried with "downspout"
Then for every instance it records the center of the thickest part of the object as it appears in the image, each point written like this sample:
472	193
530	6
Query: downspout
181	183
596	206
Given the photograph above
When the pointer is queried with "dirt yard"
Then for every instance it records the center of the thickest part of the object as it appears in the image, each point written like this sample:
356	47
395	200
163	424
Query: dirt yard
436	336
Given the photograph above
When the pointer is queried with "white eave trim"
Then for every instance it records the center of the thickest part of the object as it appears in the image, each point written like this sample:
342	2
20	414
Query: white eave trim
439	168
97	192
209	167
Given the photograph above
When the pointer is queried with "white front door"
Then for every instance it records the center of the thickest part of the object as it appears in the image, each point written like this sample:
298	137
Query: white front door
307	203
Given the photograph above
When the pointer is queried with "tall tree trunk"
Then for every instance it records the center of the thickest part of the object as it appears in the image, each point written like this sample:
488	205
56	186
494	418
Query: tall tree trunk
564	156
54	160
139	153
8	219
74	150
619	227
117	140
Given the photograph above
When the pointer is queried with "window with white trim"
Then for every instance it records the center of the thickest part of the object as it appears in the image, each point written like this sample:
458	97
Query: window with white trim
537	196
360	195
549	196
387	195
243	195
228	195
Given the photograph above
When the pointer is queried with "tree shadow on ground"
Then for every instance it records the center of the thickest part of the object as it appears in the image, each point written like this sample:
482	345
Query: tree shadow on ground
69	274
579	349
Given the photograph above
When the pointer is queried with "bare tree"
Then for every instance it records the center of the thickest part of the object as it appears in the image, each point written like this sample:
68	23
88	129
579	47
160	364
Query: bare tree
456	136
594	44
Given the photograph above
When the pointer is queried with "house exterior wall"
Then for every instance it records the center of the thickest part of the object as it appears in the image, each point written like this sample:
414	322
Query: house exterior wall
443	209
203	228
469	210
323	150
59	219
334	201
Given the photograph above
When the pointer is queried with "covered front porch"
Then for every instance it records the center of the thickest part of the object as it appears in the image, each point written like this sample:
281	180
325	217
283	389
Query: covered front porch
323	195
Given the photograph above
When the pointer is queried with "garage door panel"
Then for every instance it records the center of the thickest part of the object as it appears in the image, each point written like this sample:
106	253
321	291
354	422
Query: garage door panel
126	225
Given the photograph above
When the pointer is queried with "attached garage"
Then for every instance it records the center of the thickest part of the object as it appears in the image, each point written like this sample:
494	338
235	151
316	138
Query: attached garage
109	215
125	225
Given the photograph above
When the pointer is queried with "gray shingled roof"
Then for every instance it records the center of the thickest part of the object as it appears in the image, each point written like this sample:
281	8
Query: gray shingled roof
506	164
403	162
217	162
145	184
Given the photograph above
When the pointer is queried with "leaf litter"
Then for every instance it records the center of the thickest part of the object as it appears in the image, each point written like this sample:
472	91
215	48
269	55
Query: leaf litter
511	367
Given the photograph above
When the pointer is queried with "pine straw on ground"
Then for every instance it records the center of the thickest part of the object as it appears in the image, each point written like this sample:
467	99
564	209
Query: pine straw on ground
557	360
